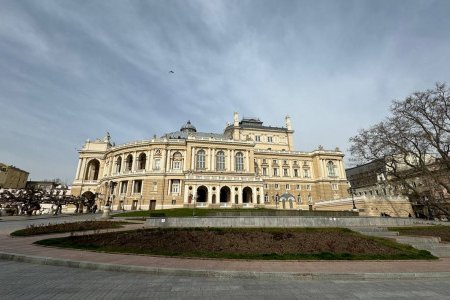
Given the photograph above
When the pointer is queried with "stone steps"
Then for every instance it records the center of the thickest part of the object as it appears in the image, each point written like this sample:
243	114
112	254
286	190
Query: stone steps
429	243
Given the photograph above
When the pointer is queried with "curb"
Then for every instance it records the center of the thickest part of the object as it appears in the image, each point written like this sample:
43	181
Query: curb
220	274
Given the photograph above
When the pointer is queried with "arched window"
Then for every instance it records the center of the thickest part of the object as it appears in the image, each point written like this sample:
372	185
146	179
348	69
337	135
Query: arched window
220	161
142	161
239	161
177	159
118	164
331	170
92	170
129	162
200	159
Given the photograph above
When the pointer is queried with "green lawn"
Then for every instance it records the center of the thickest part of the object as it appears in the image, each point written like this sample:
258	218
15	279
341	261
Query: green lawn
67	227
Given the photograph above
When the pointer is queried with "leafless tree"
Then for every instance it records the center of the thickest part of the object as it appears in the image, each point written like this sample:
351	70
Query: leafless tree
414	145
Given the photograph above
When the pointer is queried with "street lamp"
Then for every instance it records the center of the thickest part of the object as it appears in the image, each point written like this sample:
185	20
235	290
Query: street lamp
351	190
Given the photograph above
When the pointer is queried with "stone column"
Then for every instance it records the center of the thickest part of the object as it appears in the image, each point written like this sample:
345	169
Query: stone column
186	194
239	195
135	160
210	193
78	169
193	166
254	195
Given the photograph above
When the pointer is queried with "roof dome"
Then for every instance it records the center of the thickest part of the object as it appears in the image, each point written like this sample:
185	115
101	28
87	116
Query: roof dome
188	127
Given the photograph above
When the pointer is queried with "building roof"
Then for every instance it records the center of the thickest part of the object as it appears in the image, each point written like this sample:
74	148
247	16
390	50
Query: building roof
189	130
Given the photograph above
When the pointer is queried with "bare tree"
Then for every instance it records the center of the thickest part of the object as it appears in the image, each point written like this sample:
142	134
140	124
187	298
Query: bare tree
414	145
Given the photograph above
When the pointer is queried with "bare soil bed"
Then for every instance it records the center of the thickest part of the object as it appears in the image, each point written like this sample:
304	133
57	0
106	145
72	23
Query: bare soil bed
304	243
67	227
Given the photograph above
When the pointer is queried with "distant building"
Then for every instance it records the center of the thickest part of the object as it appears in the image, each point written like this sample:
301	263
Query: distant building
248	165
12	177
44	185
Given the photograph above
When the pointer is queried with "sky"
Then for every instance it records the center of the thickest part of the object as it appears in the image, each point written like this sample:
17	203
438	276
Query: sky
73	70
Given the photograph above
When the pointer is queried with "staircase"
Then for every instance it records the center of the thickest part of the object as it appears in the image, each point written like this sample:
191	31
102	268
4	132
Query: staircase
432	244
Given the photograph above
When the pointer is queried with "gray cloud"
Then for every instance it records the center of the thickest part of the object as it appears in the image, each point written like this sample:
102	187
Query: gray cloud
72	70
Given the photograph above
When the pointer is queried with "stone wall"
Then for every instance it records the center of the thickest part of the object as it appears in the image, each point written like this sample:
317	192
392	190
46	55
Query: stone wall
283	222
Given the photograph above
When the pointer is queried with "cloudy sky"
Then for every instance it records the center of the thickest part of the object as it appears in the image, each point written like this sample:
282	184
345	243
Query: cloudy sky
72	70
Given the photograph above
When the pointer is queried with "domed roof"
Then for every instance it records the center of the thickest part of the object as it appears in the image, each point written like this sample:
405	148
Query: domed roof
188	127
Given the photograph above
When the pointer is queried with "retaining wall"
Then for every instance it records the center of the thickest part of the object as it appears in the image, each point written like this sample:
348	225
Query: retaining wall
283	222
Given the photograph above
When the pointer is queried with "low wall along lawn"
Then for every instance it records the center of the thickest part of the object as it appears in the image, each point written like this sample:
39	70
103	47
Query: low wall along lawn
282	222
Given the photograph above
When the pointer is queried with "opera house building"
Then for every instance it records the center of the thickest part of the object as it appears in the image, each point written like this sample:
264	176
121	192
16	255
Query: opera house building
248	165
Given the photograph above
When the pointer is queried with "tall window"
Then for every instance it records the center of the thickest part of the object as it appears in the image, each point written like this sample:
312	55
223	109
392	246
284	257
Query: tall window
296	172
137	188
124	186
142	160
201	159
331	170
285	172
264	171
118	164
129	162
257	138
220	161
157	164
275	172
269	139
177	158
306	173
175	186
239	161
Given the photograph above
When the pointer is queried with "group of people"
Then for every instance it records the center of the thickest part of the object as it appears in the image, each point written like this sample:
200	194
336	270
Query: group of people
32	202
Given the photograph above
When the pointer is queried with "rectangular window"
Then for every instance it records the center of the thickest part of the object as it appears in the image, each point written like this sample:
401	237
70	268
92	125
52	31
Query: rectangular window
137	188
288	187
175	186
308	187
277	186
274	162
264	171
266	198
177	165
299	187
266	185
296	172
123	189
285	172
157	164
155	186
264	161
257	138
269	139
335	187
306	173
275	172
285	162
299	199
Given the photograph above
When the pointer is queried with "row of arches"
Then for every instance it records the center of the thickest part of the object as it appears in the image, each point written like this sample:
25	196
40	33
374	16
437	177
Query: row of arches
224	195
140	164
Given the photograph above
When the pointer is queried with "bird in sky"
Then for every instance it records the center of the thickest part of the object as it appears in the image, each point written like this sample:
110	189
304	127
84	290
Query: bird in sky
172	72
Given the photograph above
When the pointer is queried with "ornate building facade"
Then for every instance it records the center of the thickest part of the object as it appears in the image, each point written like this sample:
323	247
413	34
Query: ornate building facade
248	165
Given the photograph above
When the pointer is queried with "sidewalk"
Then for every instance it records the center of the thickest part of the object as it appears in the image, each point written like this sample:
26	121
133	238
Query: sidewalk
22	249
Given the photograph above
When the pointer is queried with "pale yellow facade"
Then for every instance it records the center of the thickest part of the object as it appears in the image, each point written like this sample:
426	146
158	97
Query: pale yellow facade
248	165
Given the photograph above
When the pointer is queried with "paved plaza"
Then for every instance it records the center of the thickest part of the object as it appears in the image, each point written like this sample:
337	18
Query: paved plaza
25	281
100	275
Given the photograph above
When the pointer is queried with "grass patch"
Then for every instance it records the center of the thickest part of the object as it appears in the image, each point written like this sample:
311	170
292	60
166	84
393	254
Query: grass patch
67	227
245	243
437	230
